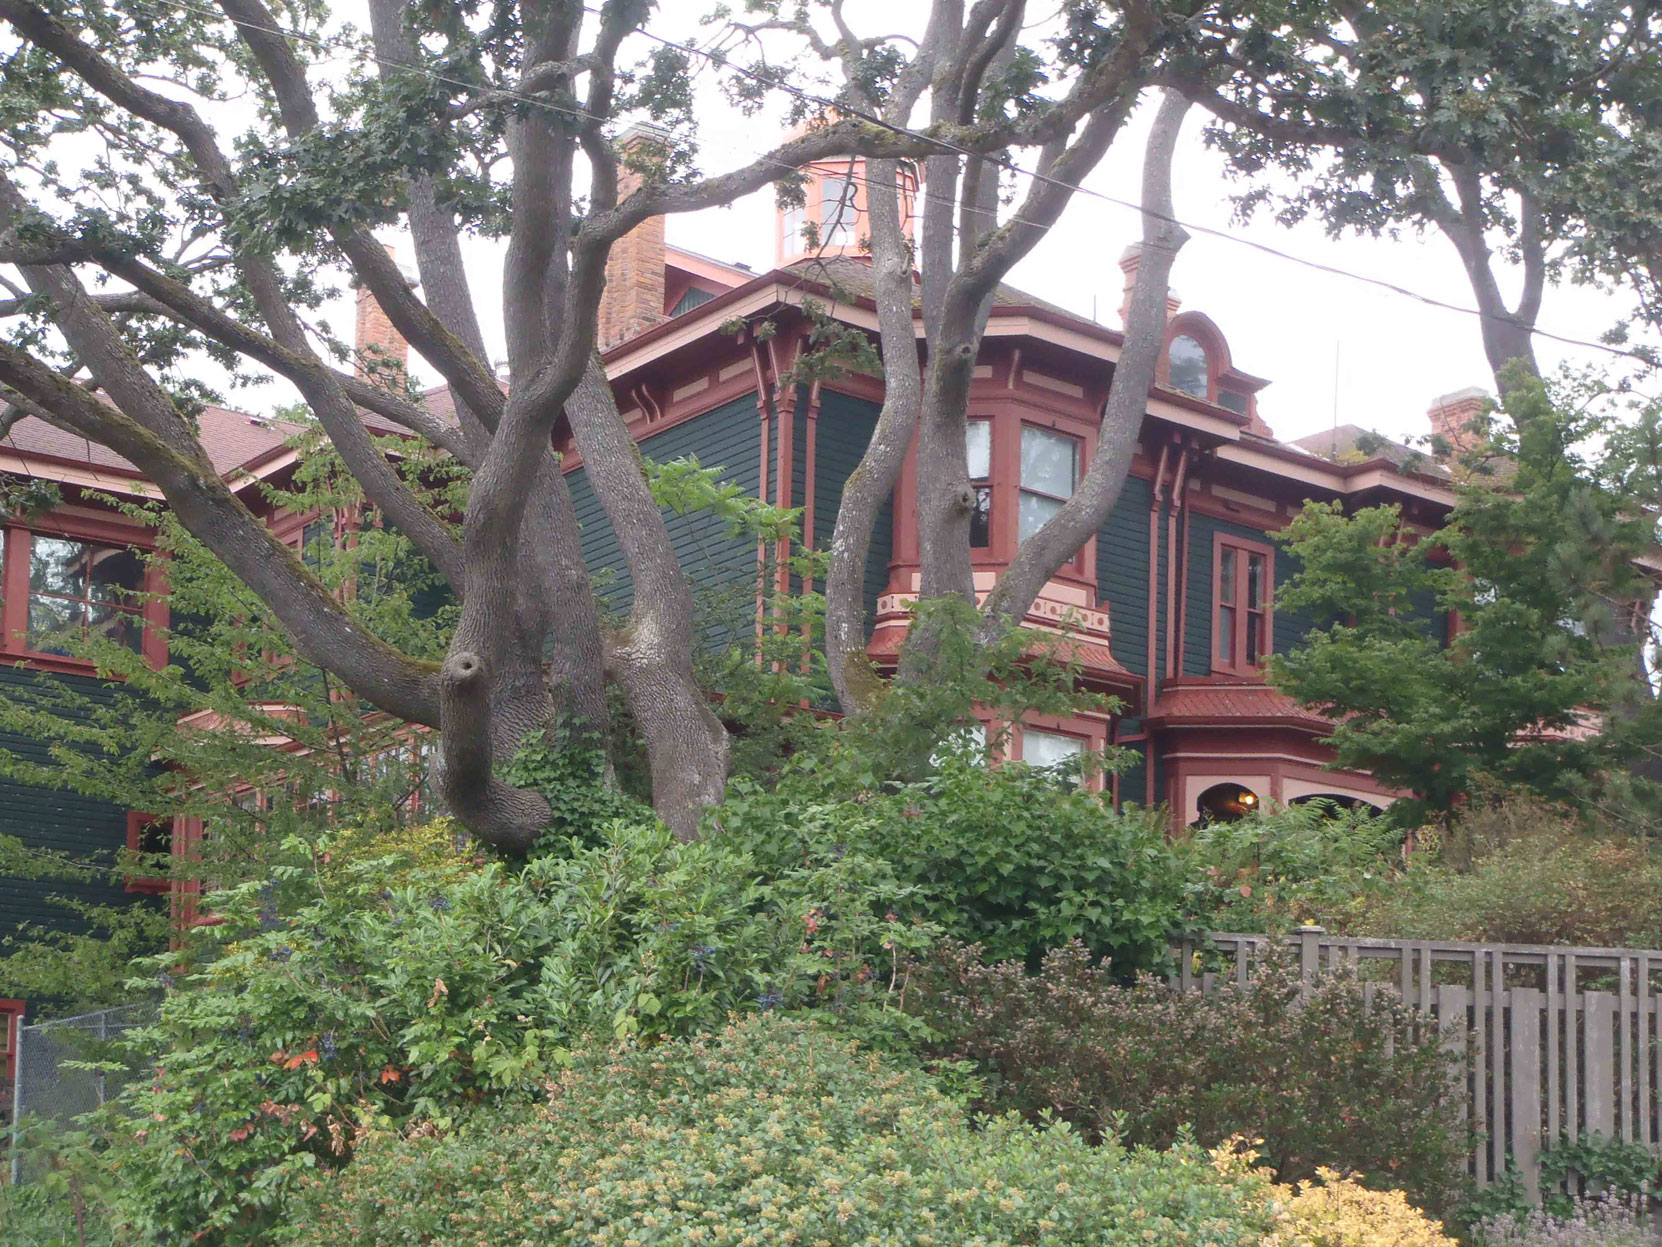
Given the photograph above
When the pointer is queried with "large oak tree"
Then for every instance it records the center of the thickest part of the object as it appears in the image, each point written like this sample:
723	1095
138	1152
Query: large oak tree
189	180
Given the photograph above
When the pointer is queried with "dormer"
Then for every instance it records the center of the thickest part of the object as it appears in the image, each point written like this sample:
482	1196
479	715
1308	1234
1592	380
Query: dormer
1196	362
837	206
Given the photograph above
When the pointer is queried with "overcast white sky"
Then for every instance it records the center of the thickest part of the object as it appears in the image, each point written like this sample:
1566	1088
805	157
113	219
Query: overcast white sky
1283	321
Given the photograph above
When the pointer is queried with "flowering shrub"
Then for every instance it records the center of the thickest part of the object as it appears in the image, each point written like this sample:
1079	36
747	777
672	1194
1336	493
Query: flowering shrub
404	1003
1335	1081
1604	1222
769	1131
1336	1211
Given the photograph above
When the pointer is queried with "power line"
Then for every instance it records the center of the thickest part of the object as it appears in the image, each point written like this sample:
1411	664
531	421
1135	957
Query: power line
1003	162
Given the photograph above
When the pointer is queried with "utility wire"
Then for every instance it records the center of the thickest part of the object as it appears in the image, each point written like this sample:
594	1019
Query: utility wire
1003	162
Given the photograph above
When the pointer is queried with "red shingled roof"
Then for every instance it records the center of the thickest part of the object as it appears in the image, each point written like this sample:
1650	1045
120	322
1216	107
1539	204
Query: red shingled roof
231	438
1228	701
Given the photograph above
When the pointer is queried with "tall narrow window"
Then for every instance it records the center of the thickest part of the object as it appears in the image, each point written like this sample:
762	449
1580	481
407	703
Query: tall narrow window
790	231
978	443
77	588
1190	371
836	212
1049	471
1241	625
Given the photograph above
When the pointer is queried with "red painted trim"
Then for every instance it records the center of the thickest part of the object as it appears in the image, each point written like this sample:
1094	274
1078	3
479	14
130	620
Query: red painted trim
14	587
136	824
764	409
11	1019
1235	663
1173	558
1151	676
1184	511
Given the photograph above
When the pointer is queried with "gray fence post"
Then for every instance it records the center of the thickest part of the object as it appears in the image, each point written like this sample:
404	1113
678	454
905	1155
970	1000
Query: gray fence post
17	1100
1309	953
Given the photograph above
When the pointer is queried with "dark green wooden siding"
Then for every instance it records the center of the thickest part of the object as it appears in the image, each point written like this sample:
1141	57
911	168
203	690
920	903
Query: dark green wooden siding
87	828
719	566
1122	574
845	428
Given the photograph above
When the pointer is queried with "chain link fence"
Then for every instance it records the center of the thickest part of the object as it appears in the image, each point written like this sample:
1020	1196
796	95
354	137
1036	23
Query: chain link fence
51	1084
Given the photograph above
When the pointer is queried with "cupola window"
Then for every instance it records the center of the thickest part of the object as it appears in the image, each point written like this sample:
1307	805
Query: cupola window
1190	370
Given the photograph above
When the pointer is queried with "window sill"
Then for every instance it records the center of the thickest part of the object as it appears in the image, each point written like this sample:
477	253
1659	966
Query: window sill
61	664
148	887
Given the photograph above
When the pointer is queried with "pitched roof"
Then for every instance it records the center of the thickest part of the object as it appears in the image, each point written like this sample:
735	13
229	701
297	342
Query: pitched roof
1229	701
231	439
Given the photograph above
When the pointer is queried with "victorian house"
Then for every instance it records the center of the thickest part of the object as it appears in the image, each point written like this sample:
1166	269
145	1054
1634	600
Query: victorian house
1171	606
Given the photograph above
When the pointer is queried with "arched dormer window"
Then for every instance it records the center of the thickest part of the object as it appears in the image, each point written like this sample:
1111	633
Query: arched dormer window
1191	369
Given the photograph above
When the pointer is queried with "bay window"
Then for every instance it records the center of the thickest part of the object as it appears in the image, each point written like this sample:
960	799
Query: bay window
1049	472
836	211
1242	580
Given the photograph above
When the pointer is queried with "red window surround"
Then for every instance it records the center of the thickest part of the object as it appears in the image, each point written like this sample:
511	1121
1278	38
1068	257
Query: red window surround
11	1018
1243	580
148	833
76	584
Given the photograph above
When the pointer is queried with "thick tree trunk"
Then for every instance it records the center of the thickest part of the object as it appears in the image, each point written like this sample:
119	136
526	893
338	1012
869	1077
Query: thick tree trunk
873	479
1044	553
686	744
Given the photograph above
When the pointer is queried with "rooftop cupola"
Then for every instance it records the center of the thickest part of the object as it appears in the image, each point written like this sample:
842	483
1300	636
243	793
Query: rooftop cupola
838	208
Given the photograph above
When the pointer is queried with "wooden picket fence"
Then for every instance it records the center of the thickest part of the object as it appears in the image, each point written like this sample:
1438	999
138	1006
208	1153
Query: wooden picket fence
1546	1044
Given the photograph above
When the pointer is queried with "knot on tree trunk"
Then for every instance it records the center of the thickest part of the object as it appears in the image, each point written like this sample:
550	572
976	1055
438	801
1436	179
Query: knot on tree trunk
462	672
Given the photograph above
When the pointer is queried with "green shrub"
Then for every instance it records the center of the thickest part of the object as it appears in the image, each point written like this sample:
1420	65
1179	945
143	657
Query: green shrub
1527	875
768	1132
1333	1081
406	1003
1308	863
1013	858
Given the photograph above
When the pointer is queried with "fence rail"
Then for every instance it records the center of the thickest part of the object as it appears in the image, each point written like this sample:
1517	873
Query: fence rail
1546	1044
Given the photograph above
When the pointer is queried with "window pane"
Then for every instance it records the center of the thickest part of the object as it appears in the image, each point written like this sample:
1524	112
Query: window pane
1034	513
1255	581
121	626
978	443
51	622
1236	403
790	229
1254	636
1048	748
1188	367
1226	634
981	519
836	212
1226	576
117	575
1049	462
58	566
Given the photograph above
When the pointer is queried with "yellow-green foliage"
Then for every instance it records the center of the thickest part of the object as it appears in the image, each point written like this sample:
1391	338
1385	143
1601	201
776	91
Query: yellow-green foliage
436	851
1336	1211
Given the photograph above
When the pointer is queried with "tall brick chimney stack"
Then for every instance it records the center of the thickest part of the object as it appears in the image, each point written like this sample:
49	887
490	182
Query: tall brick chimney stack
634	296
1452	416
376	346
1131	260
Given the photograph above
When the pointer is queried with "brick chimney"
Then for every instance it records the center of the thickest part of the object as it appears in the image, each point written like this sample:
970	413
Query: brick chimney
634	296
1452	416
1131	260
376	346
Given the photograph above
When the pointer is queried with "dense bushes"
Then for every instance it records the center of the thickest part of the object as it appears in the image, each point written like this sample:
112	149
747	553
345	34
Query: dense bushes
1013	858
465	981
770	1131
1528	875
1335	1081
